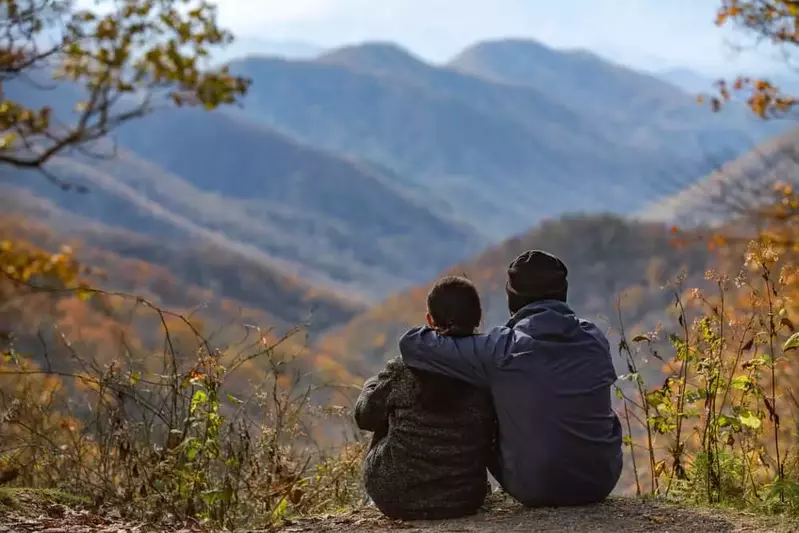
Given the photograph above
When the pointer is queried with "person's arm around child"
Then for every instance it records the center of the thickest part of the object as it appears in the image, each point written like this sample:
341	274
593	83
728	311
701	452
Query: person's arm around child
470	359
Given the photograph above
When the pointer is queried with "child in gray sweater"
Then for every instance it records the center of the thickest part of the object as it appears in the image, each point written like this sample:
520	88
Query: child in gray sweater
433	435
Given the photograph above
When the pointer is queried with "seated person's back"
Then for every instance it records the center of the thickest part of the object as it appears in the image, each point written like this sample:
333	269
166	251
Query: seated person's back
433	435
550	373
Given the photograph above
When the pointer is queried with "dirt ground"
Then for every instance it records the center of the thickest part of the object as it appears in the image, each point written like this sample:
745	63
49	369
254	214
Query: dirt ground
616	515
501	516
50	511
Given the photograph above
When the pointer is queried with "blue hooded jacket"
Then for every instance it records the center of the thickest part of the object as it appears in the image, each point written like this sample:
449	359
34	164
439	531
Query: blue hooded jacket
550	375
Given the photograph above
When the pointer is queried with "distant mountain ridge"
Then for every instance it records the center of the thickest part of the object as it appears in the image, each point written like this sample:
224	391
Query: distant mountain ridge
254	46
443	144
334	220
368	170
635	101
453	132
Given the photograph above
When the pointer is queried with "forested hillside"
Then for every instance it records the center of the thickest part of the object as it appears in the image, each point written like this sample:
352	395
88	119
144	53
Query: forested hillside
608	258
192	276
368	170
742	188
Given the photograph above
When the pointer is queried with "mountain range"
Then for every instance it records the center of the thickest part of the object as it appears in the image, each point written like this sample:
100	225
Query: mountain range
366	170
256	46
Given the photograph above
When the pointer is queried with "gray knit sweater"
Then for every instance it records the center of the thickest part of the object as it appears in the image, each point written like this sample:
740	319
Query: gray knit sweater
433	437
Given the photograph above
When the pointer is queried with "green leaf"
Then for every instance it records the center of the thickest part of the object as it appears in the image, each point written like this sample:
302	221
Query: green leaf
675	340
192	449
619	394
792	343
750	420
657	398
199	398
280	510
695	396
741	382
84	294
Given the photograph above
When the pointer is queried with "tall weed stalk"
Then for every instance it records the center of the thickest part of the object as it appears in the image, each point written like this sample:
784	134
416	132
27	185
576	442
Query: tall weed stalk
224	433
717	415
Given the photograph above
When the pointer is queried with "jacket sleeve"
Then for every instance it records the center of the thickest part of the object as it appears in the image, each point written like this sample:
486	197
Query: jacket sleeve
470	359
371	409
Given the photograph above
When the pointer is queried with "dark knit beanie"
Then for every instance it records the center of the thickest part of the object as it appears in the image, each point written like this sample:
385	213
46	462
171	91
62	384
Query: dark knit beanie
535	276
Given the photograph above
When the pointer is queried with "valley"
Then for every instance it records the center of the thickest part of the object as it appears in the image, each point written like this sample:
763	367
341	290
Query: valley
367	171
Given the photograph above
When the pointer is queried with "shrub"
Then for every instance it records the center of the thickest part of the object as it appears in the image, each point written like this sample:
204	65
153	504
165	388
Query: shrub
720	428
227	434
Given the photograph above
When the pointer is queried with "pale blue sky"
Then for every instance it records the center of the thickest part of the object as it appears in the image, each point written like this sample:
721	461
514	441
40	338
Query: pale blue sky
642	33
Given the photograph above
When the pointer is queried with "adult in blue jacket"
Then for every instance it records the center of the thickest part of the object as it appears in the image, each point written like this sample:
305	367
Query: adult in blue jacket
550	374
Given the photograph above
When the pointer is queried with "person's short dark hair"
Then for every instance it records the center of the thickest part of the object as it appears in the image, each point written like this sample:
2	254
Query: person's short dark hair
454	305
535	276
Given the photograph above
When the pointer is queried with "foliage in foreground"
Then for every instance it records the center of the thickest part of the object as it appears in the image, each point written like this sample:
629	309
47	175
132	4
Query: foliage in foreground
176	433
129	57
721	427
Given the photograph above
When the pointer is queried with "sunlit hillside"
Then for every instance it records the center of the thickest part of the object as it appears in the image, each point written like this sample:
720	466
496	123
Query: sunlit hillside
146	306
607	257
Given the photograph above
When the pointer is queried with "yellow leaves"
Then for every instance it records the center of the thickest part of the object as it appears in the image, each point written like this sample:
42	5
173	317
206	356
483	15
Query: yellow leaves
143	47
19	122
729	10
84	294
764	99
7	140
759	104
23	263
776	21
107	29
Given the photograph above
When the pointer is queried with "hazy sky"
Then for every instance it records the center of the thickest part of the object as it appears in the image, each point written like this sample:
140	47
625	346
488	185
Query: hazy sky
642	33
